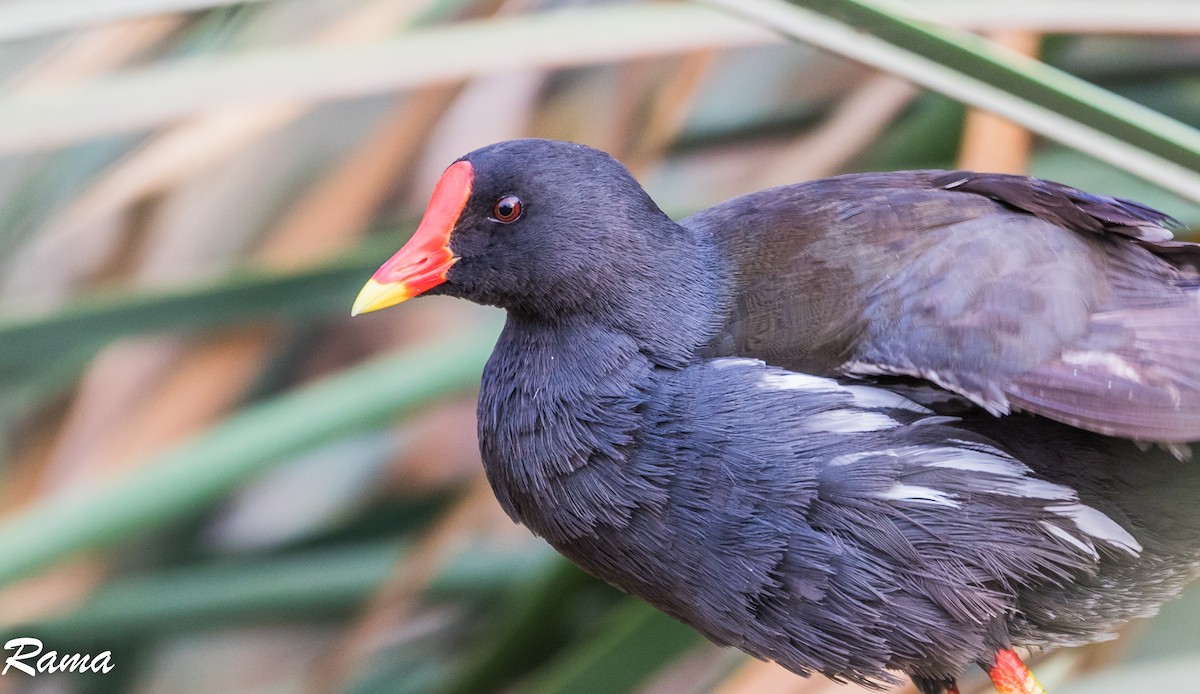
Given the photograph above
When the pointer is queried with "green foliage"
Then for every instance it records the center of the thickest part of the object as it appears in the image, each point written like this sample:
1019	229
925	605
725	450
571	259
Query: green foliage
251	513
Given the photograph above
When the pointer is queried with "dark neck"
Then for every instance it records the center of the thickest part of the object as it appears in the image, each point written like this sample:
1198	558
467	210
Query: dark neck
561	396
668	296
559	406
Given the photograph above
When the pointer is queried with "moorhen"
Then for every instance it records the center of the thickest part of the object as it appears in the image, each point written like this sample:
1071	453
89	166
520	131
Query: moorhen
879	423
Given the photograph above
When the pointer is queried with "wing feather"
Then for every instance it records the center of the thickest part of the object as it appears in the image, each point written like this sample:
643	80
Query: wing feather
1013	292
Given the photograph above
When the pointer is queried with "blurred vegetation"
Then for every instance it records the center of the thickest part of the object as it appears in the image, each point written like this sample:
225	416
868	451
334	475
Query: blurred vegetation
209	470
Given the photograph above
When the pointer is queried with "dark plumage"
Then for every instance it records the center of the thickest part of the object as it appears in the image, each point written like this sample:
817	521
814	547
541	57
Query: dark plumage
674	406
1014	292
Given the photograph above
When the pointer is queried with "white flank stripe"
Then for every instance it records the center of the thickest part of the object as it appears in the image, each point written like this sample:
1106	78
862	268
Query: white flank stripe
866	396
1085	547
975	461
849	422
851	458
918	495
1099	526
1041	489
790	380
731	362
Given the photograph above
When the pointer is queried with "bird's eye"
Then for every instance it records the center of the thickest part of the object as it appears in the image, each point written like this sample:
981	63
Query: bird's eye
507	209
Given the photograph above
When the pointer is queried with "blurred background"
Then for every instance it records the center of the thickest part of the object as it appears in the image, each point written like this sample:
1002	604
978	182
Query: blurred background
209	470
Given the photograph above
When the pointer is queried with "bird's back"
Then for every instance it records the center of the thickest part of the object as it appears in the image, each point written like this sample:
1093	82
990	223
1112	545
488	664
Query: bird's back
1016	293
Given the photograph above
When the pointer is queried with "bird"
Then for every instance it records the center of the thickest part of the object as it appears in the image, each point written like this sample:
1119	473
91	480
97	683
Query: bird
871	426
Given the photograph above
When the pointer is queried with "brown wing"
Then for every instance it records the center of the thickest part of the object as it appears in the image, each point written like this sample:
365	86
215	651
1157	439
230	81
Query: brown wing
1013	292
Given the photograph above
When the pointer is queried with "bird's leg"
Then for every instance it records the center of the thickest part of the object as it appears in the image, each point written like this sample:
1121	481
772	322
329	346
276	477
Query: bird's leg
929	685
1010	676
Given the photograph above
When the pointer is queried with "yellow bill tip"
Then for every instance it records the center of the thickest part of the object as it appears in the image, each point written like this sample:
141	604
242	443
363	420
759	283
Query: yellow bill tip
376	295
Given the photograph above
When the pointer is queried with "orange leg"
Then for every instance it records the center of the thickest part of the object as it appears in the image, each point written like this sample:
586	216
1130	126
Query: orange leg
1010	676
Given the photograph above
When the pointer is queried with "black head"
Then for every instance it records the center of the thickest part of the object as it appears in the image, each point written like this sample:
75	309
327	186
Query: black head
534	226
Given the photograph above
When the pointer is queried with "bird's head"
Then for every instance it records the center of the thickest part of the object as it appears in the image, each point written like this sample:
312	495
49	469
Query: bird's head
538	227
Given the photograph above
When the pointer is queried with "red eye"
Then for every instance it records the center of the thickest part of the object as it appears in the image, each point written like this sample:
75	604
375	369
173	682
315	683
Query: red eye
507	209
